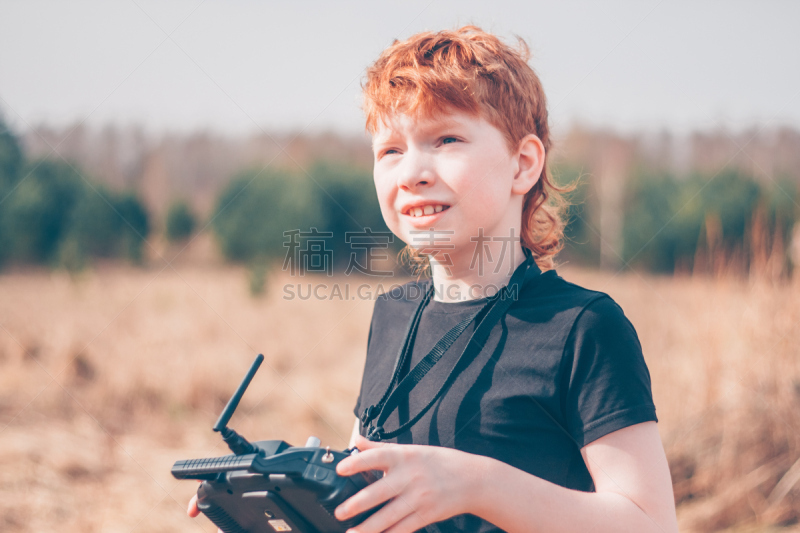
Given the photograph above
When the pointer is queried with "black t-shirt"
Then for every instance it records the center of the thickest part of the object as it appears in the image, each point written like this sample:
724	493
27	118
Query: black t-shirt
561	369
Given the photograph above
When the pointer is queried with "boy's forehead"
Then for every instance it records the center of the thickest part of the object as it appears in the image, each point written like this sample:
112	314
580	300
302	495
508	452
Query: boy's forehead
401	122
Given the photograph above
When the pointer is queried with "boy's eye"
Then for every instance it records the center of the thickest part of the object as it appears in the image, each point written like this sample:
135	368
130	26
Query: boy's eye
448	140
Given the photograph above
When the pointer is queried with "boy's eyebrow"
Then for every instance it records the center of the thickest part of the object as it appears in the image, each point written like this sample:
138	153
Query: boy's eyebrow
434	124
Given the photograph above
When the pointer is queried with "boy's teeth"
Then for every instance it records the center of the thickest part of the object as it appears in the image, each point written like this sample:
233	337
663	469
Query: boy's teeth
426	210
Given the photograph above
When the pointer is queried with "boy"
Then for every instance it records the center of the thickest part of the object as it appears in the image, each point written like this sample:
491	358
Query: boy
555	401
523	409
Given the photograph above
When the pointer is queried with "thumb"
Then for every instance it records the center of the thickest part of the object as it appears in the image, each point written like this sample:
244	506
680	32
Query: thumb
355	463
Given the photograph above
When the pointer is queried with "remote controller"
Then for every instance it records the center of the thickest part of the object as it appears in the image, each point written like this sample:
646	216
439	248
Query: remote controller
270	486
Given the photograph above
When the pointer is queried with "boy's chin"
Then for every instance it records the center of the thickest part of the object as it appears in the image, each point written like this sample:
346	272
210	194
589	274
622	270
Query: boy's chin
433	251
427	251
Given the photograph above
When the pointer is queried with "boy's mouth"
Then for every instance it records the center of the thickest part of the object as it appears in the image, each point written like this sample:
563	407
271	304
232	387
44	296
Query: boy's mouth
424	210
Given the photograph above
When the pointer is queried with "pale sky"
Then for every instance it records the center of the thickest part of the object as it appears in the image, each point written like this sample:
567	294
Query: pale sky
242	66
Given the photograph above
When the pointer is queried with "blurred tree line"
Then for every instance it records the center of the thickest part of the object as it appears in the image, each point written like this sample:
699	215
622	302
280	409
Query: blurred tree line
51	215
696	223
669	224
265	215
639	214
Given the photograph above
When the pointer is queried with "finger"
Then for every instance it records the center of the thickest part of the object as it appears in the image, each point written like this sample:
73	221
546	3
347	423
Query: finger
381	458
363	443
192	510
368	497
394	512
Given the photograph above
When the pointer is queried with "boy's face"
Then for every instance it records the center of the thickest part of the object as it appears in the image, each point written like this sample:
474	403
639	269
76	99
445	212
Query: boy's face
440	182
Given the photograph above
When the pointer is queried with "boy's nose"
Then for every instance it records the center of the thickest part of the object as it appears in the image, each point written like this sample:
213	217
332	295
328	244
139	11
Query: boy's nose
416	171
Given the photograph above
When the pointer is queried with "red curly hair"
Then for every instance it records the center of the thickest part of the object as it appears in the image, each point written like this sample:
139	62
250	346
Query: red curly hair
468	70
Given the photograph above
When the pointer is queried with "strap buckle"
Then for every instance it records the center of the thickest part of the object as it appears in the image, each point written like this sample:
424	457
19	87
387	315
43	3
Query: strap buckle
375	434
368	414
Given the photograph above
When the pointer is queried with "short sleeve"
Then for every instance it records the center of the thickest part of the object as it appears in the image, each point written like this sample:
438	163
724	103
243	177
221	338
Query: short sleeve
608	383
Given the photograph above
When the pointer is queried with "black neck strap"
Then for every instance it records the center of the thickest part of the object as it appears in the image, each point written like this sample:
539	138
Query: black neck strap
491	312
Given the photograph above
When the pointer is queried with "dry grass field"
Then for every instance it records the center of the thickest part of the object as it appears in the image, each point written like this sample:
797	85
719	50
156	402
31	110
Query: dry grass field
109	377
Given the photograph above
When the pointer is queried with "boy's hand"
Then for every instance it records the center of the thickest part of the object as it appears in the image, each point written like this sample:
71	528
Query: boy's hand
194	511
426	484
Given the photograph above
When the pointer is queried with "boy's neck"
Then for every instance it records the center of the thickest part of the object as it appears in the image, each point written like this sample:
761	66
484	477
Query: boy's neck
458	278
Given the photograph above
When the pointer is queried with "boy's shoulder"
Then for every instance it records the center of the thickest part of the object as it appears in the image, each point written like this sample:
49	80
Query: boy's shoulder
552	290
587	309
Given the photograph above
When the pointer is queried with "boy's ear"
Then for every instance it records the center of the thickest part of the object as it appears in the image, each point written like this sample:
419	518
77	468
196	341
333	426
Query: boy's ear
530	162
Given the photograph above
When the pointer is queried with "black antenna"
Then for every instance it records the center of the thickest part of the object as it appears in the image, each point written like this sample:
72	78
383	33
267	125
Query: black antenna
236	442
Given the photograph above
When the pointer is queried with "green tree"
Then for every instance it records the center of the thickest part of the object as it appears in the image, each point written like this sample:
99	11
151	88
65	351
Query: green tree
581	242
35	214
255	210
91	229
180	221
11	161
134	226
348	202
665	216
55	216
